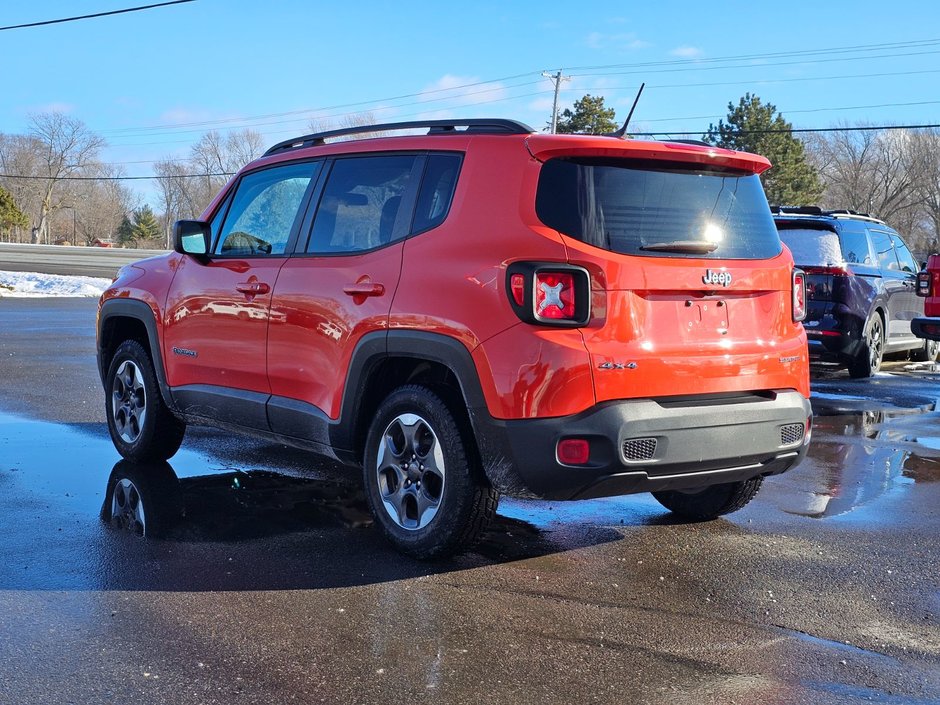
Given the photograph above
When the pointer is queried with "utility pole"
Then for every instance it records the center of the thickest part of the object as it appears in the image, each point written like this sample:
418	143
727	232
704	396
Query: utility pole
557	78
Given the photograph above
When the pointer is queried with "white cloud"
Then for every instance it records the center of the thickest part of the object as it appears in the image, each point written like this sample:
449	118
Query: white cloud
687	52
621	41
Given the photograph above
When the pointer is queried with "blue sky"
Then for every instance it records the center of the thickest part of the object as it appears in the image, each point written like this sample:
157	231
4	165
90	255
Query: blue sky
152	82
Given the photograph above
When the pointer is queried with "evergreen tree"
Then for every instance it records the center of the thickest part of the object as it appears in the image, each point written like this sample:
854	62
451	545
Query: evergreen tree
589	117
10	214
145	226
125	231
757	127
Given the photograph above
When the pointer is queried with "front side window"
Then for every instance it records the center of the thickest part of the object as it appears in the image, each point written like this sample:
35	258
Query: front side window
360	207
264	210
908	263
884	250
656	210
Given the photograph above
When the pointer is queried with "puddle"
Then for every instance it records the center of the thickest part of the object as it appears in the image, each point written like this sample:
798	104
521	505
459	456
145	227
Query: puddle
854	461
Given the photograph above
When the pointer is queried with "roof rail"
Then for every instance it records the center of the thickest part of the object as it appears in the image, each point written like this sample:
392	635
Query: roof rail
816	210
491	126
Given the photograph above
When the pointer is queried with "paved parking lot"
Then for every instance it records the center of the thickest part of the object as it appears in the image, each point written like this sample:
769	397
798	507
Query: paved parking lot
275	587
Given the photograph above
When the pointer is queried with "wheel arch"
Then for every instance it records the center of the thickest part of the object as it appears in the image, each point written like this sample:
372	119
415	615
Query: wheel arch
383	362
129	319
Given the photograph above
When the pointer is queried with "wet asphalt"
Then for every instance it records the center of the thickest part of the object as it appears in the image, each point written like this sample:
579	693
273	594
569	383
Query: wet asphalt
271	586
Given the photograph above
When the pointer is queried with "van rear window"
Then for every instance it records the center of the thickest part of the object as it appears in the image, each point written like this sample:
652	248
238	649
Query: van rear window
640	209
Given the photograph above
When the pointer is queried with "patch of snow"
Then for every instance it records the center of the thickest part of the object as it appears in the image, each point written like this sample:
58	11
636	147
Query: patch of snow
32	285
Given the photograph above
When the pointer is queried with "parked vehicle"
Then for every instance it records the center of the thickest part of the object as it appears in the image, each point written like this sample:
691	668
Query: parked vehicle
477	310
928	287
860	287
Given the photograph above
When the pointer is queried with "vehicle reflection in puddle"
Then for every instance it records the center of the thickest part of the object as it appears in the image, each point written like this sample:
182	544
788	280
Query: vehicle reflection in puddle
854	460
149	499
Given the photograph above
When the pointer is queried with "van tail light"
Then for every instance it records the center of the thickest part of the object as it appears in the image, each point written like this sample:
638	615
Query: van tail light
547	293
799	295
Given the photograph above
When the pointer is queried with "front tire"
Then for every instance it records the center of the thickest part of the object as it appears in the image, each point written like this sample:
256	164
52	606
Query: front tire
143	499
423	478
868	360
711	502
141	426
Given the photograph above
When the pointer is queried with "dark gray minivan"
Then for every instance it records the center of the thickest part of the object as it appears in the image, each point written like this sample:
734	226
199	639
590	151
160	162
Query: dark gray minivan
861	283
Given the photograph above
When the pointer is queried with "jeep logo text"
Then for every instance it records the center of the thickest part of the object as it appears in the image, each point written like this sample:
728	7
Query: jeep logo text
721	278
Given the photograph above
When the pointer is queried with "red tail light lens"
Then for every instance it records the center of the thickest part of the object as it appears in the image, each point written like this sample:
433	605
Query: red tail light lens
517	287
549	293
573	451
554	295
799	295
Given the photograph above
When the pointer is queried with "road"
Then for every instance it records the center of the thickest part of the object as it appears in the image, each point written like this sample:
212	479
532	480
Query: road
275	588
56	259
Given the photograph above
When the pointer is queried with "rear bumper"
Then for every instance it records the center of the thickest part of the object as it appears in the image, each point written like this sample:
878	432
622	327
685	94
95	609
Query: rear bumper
647	445
928	328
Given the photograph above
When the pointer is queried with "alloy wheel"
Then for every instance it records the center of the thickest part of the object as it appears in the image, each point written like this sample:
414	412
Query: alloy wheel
128	402
409	469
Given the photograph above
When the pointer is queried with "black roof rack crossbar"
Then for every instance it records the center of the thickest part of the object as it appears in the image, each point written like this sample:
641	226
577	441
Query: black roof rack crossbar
491	126
816	210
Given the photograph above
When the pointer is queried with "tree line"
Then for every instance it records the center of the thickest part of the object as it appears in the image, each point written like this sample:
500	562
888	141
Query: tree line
54	187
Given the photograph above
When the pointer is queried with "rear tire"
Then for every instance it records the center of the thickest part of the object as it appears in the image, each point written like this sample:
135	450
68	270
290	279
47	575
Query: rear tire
141	426
927	353
711	502
868	360
423	479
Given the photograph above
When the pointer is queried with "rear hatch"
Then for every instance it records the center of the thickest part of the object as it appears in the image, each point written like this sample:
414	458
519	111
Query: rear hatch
692	290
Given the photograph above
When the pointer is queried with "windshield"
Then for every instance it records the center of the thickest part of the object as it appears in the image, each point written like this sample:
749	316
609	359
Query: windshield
649	210
813	248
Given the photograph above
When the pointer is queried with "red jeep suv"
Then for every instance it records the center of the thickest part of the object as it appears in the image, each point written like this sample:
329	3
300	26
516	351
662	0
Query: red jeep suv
476	310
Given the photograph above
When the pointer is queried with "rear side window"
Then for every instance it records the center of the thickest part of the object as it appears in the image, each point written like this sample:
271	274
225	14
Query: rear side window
437	191
360	206
641	209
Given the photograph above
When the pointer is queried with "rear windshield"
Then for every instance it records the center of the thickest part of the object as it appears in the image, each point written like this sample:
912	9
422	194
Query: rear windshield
815	247
641	209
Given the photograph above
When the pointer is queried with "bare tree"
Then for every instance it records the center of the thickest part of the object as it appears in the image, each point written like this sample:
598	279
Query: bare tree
926	145
67	147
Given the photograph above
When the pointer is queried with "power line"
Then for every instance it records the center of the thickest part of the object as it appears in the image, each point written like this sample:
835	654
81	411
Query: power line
859	128
97	14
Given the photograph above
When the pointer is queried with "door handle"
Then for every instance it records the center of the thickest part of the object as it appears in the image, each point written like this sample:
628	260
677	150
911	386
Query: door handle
253	288
364	289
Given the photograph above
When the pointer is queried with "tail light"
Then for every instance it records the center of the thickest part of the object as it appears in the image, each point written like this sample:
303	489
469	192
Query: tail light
928	282
799	295
549	293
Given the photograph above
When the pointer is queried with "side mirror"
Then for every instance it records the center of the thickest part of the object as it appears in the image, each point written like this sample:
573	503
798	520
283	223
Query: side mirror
192	237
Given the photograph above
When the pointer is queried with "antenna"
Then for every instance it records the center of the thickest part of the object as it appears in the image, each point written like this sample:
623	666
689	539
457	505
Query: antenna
623	130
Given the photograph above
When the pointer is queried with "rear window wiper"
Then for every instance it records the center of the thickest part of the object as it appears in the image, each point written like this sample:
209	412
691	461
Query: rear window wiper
693	247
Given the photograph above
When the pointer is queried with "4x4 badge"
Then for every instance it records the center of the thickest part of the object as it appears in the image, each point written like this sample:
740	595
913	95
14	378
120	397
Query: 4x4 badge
722	278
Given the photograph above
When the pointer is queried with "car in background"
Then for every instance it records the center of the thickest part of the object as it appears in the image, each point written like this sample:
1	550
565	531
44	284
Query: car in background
861	281
928	286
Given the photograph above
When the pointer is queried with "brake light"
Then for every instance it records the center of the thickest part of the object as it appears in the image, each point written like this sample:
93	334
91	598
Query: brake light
549	293
554	295
799	295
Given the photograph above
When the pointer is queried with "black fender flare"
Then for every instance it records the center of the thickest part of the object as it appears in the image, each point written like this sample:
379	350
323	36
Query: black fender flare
138	311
